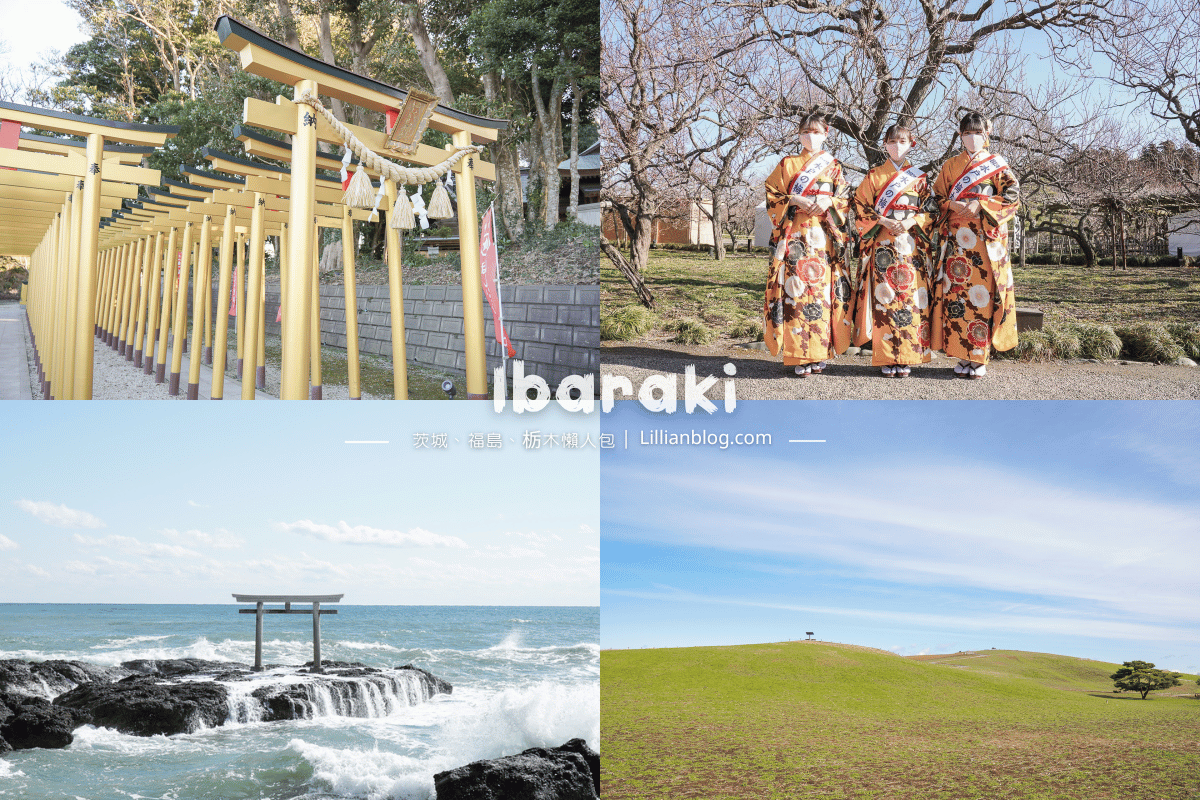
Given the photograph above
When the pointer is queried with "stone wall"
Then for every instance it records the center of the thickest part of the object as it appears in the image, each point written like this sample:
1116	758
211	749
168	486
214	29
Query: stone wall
554	329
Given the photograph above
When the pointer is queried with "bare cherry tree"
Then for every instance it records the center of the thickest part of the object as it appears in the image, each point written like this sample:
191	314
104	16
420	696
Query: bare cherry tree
872	62
655	81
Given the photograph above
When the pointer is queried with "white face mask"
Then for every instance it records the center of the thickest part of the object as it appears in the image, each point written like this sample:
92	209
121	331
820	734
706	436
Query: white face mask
812	141
973	142
896	150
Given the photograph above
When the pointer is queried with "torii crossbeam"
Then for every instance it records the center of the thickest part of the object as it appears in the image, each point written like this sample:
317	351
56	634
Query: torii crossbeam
287	600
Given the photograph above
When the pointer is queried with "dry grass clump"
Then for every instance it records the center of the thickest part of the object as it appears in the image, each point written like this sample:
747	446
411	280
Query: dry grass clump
1148	341
689	331
626	323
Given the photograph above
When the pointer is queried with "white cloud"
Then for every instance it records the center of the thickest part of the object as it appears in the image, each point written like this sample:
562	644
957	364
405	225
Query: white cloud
7	543
535	538
221	540
194	504
127	544
345	533
1060	625
59	515
37	571
1023	534
586	528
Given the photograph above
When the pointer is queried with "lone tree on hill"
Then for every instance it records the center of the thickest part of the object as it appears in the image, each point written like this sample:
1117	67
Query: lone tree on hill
1141	676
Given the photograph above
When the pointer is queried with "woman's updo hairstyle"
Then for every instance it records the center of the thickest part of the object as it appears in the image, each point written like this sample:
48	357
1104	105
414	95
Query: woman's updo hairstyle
816	116
974	121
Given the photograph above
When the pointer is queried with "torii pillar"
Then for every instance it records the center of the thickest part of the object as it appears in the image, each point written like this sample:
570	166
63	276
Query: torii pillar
287	600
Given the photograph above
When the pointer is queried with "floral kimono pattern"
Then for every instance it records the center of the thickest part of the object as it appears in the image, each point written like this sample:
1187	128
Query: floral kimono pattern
975	308
807	304
893	299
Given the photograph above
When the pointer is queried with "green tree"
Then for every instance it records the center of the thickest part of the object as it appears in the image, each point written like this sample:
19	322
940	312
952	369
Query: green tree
1141	676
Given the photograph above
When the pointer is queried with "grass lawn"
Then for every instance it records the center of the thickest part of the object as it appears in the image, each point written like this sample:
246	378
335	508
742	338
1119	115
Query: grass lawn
818	720
725	294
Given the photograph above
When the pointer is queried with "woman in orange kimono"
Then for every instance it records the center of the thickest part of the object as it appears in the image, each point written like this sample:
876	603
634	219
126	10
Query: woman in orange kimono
891	305
807	305
975	309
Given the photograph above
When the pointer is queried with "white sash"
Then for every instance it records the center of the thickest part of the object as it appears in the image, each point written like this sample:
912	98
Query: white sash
896	187
806	179
977	174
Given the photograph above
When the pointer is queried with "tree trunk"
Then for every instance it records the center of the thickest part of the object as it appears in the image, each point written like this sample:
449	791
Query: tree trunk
719	213
1024	236
508	168
630	270
291	36
576	110
414	23
549	125
1121	220
325	38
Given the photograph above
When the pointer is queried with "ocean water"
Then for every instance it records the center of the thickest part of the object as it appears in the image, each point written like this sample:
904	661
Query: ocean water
523	677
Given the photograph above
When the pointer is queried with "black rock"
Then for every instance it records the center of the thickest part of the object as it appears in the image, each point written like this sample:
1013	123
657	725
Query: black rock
174	667
592	758
27	722
50	678
348	691
560	773
436	685
142	706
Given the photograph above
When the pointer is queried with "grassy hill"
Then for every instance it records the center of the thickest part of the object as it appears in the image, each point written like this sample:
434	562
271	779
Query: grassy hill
813	719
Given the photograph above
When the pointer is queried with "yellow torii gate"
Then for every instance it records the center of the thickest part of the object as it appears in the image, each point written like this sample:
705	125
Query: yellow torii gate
261	55
63	244
269	185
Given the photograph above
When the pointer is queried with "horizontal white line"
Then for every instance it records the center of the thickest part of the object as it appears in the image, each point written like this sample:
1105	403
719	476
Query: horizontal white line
805	441
348	441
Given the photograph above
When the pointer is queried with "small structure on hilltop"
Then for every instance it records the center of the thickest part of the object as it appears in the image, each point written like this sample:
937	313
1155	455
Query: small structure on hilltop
809	634
287	600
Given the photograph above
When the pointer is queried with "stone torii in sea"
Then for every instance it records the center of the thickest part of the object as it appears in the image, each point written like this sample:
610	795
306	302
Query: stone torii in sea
287	599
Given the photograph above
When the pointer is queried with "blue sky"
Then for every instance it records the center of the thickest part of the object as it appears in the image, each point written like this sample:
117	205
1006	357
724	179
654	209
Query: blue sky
161	503
1059	527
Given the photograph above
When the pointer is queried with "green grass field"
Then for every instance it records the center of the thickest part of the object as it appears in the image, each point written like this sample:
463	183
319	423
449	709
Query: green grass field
725	294
819	720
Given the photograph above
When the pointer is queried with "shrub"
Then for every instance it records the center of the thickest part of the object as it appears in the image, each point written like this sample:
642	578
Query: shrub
1187	336
626	323
747	329
688	331
1097	340
1063	341
1148	341
1031	346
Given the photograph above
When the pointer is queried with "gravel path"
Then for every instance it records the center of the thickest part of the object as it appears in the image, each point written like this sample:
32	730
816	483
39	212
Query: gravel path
761	376
114	378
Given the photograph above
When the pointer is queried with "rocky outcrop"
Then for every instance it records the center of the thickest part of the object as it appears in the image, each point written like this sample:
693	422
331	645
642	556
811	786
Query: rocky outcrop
149	697
570	772
174	667
48	679
349	690
27	721
143	706
434	684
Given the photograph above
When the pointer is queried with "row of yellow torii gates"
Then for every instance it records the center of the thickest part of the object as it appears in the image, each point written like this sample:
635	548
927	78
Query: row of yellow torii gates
107	265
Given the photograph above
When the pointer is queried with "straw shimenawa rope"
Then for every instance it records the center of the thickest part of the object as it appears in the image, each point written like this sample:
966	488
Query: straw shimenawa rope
356	194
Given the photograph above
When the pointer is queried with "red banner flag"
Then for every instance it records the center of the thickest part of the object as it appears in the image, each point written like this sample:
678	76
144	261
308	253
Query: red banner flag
489	268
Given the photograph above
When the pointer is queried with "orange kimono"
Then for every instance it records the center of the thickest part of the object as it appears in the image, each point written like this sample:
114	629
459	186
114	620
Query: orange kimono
975	308
892	300
807	305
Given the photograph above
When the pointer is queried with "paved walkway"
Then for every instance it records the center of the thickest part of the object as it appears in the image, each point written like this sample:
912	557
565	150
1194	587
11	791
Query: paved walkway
14	369
113	378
